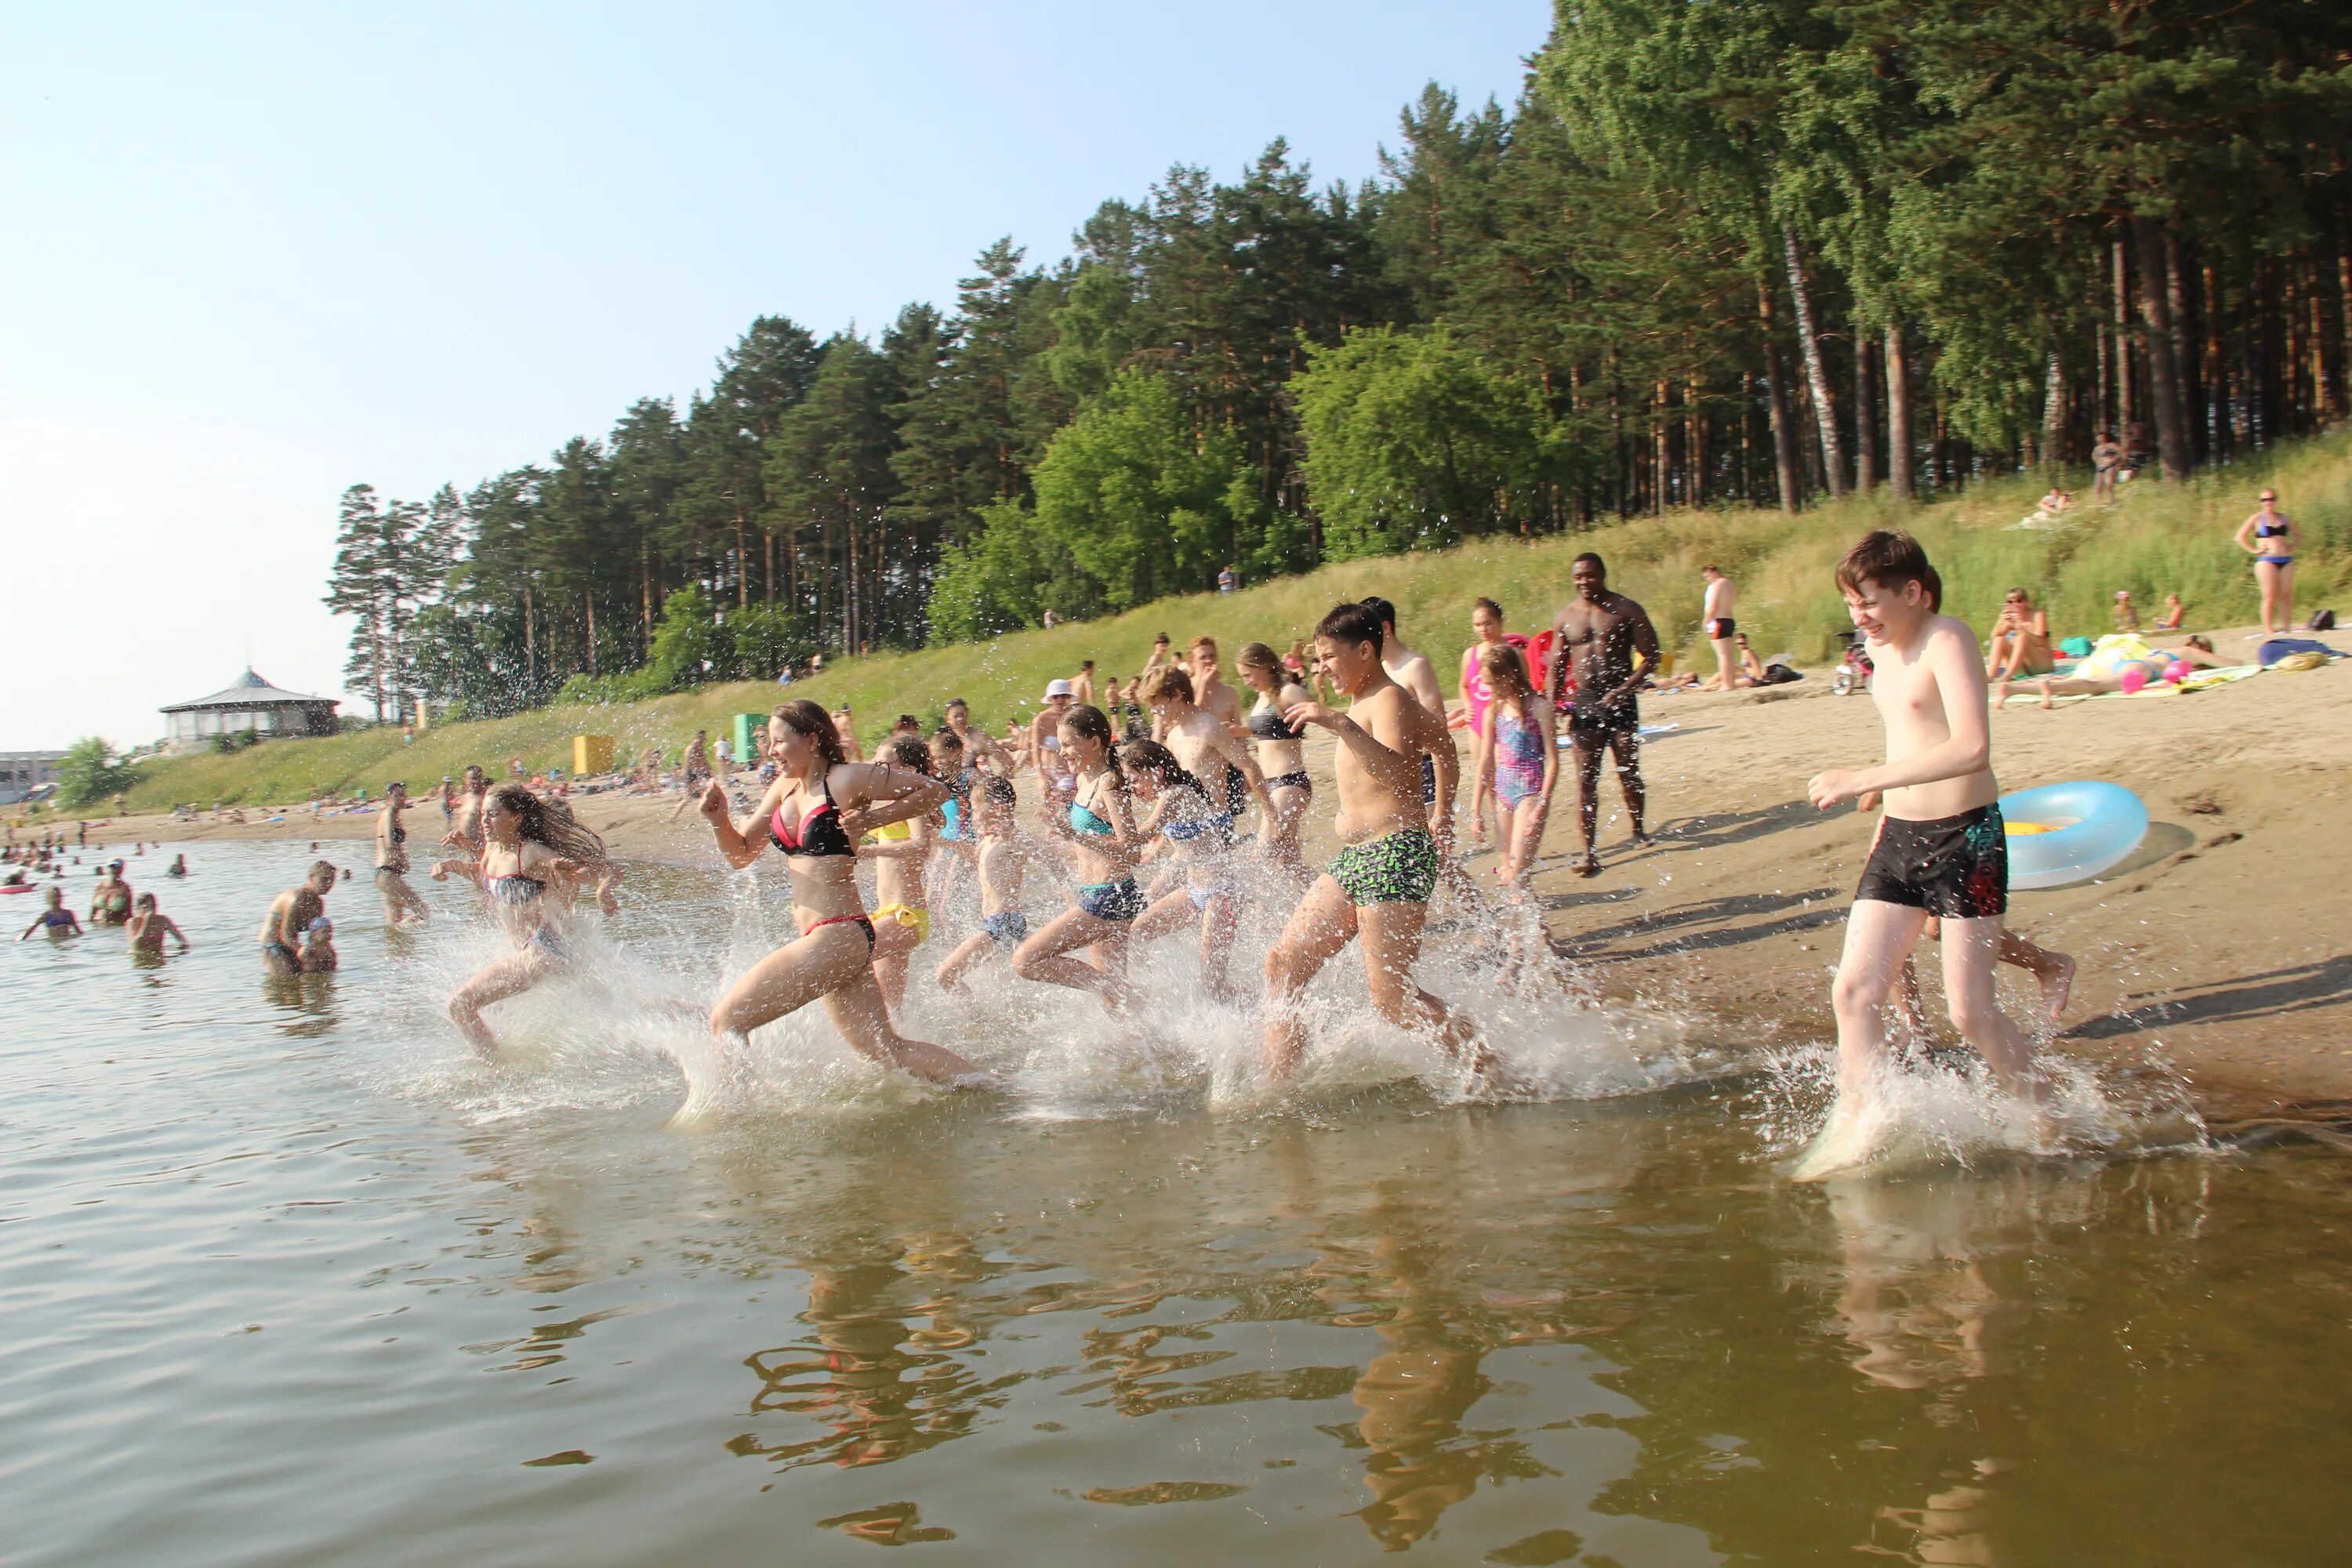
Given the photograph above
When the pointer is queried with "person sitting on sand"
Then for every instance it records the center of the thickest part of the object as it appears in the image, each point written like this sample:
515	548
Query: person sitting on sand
318	947
290	913
2126	617
2173	614
150	926
56	918
2021	640
1751	669
2105	669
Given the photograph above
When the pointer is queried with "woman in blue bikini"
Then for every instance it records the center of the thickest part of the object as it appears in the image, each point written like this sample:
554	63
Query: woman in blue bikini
1195	836
531	864
2269	537
1098	832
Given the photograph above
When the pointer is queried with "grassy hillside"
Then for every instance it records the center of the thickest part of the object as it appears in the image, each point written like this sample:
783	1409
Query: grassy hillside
2155	541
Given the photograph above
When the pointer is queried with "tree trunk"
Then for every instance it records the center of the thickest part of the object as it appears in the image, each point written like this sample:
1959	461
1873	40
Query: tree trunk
1817	380
529	649
1898	410
2155	307
1658	464
1865	415
2054	415
588	600
2124	402
2217	374
771	579
2175	296
1784	436
743	568
1694	448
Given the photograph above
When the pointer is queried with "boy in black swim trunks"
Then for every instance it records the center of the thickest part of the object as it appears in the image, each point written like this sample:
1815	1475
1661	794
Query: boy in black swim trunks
1939	850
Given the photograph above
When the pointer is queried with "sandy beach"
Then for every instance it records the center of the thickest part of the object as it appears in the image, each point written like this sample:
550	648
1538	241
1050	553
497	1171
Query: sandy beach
2212	950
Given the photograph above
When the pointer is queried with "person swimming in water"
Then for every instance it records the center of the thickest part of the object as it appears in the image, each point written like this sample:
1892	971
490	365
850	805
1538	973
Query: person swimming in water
57	920
1097	831
1005	854
531	866
281	929
150	926
815	812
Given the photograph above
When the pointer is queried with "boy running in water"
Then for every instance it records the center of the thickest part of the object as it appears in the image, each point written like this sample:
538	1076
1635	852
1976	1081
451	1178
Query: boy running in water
1939	850
1378	886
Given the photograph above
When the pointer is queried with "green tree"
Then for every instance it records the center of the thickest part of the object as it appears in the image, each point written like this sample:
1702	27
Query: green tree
89	772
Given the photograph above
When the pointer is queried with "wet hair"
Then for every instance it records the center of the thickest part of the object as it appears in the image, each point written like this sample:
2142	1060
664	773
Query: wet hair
2201	642
1383	611
145	902
1350	624
319	867
999	792
1501	663
947	738
400	784
1151	757
474	774
550	823
955	702
1890	560
804	717
1088	723
1488	605
1258	656
1167	682
1599	565
909	751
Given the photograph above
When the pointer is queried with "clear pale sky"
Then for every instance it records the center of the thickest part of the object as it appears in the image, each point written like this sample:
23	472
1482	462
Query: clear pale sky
256	254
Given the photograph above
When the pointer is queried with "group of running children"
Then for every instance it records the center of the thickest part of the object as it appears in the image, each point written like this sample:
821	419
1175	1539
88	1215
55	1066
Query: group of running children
1147	827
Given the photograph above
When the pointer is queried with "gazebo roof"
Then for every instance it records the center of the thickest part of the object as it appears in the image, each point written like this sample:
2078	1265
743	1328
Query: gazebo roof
249	691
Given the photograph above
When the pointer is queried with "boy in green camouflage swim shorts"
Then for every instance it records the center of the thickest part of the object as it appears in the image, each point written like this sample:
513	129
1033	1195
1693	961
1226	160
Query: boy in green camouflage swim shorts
1378	887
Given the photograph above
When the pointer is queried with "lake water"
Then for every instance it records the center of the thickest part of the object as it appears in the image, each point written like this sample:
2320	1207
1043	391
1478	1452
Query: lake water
288	1278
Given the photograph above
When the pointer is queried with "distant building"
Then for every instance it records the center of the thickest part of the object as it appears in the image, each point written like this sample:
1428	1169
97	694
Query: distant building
252	703
21	772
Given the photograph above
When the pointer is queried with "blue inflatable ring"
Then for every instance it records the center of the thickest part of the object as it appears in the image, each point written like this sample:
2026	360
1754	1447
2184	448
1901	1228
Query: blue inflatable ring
2085	829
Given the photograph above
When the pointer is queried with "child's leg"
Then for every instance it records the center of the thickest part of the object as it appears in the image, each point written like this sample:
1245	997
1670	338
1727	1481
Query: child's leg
1878	937
950	974
2055	970
1971	949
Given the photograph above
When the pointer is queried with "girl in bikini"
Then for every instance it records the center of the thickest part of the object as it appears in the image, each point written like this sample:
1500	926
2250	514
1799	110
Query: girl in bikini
1197	839
532	863
1098	832
1281	754
2269	537
902	917
814	813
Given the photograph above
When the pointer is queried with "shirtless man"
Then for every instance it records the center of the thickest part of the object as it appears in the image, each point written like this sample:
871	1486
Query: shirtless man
1208	749
466	833
1378	886
400	900
1055	782
1597	635
1722	596
1211	695
290	914
1411	669
1082	685
1939	850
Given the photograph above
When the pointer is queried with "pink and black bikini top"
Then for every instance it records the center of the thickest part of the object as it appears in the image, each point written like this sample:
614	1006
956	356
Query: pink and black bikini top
820	831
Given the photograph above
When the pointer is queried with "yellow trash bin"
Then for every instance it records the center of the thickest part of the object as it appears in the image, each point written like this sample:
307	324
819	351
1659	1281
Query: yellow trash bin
591	755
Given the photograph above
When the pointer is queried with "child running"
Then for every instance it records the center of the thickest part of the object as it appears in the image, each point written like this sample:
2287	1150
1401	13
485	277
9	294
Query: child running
532	861
150	926
1939	850
1099	835
1197	838
814	813
1378	886
902	917
1004	861
1517	762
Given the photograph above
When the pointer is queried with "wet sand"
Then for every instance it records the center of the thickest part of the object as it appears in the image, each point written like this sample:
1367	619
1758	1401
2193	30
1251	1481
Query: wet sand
2220	948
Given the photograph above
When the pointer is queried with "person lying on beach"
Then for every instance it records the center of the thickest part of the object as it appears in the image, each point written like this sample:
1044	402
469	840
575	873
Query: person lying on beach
151	925
57	920
2109	675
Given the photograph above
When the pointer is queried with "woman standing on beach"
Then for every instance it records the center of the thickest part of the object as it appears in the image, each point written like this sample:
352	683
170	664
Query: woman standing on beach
1099	833
813	814
2269	537
531	866
1281	753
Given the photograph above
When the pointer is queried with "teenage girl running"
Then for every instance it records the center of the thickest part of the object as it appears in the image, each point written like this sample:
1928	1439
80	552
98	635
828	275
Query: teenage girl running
1197	838
531	866
1098	831
813	814
902	916
1281	753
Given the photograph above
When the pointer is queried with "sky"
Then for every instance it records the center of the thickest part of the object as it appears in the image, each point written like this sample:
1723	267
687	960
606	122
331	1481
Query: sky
256	254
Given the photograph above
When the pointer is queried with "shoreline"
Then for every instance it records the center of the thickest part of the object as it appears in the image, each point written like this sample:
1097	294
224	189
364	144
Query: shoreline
2213	951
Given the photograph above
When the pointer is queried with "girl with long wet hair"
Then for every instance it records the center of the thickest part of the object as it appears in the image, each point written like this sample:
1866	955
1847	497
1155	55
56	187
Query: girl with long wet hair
1196	836
532	860
1097	831
813	814
1281	753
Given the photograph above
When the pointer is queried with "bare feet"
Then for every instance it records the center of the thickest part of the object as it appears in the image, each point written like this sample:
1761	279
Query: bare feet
2046	701
2057	978
1590	865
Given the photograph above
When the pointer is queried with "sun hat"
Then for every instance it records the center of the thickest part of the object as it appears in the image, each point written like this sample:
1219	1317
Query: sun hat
1056	689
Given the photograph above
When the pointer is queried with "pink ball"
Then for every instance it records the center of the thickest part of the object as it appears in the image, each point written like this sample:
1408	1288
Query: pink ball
2177	671
2132	680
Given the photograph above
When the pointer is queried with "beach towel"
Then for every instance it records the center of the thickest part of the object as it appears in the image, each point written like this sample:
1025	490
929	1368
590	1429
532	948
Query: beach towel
2075	648
2277	649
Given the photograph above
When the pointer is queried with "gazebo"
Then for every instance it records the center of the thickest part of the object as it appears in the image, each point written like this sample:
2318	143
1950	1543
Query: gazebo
249	703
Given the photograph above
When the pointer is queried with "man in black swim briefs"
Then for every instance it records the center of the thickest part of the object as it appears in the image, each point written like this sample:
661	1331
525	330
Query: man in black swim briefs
1598	633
